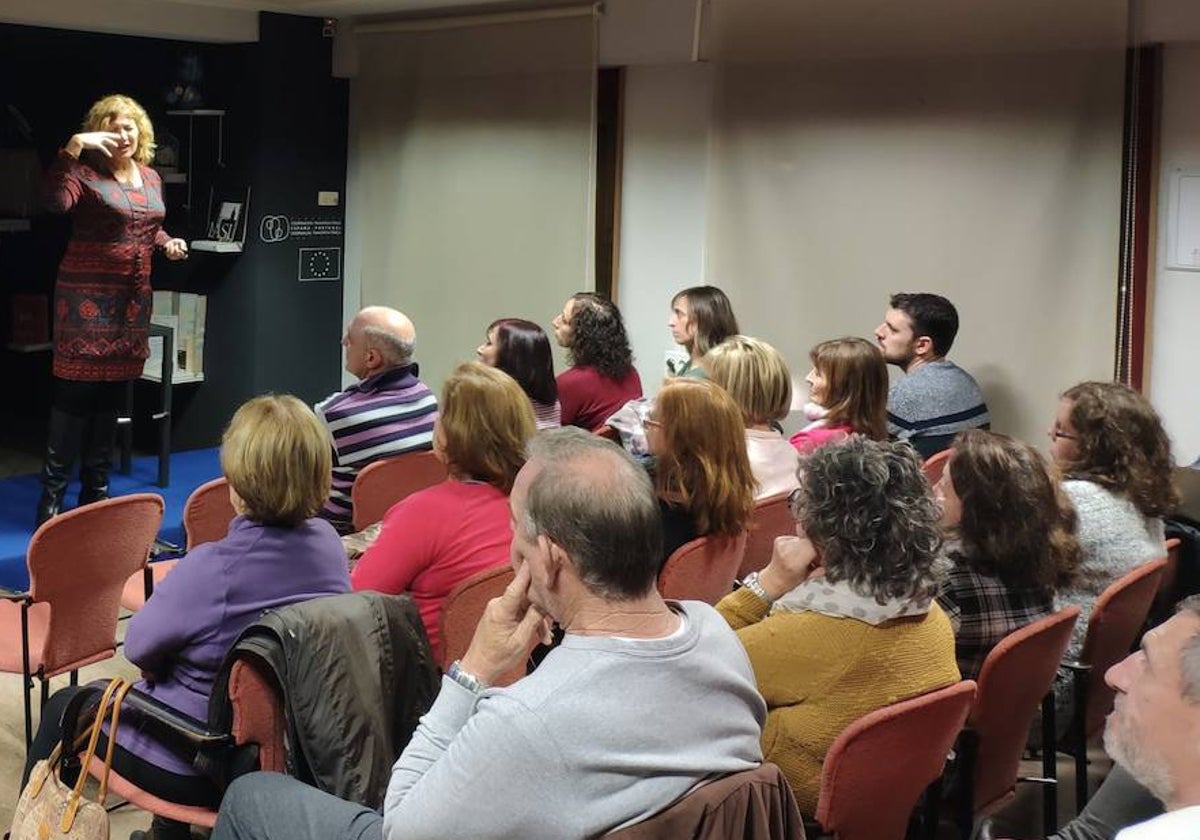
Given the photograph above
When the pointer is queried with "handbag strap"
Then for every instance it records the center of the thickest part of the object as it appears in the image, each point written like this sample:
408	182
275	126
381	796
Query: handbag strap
68	817
112	738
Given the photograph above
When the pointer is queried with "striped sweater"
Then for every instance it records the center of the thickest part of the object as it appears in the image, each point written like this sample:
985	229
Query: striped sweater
381	416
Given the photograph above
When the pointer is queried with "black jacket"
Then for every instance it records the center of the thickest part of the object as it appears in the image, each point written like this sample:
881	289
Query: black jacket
356	673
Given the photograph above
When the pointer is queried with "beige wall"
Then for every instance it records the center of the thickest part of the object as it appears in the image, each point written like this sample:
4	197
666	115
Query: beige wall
1174	384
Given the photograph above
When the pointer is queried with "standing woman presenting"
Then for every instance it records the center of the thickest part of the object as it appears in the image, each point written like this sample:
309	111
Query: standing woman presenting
102	297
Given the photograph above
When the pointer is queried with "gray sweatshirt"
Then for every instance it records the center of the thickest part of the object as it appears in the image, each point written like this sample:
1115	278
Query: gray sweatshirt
605	733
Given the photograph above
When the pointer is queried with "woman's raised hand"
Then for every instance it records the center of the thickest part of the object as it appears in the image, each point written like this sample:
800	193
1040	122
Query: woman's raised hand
793	561
102	141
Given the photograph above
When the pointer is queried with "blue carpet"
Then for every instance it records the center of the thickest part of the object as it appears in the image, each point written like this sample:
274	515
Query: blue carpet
19	495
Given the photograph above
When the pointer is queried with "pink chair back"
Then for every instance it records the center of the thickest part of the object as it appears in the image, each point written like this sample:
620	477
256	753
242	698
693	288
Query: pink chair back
462	610
935	465
1014	678
1117	618
703	569
876	770
772	518
78	564
383	483
258	713
207	513
1168	585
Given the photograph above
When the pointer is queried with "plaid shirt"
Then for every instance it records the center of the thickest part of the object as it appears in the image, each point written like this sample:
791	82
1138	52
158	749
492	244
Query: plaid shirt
982	611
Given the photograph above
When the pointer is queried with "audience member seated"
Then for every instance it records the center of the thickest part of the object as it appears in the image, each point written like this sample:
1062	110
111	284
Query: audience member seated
701	318
276	457
389	411
1151	733
757	378
701	472
434	539
643	701
1116	462
1120	801
602	377
935	399
848	387
522	350
1010	542
843	621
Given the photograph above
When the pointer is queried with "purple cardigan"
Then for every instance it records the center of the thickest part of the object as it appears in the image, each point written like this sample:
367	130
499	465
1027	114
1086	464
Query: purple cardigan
182	634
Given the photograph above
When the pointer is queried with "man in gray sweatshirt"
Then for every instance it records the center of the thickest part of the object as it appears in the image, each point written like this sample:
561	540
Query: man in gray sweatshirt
643	700
935	399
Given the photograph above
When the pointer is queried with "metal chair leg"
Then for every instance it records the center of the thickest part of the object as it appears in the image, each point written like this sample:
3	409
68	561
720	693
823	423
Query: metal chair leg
968	747
27	687
1049	767
1079	740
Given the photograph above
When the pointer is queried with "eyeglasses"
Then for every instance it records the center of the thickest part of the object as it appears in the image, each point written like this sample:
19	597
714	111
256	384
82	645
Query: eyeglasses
794	500
650	421
1059	434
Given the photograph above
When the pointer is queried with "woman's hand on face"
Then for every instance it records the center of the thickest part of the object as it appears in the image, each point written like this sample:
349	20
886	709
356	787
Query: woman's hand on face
793	561
102	141
176	249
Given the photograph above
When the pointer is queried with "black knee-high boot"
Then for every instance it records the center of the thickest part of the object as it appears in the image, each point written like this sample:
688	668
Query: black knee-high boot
62	448
97	457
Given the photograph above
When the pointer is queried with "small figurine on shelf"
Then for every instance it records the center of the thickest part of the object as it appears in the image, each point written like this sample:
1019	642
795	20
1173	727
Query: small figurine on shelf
185	91
166	152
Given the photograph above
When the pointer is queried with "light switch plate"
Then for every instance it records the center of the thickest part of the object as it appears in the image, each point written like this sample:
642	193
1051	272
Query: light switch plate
327	198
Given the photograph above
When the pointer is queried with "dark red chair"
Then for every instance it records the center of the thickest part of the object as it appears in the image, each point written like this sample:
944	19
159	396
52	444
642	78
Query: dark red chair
1117	618
772	518
462	610
1017	675
258	719
935	465
876	770
703	569
206	517
383	483
78	564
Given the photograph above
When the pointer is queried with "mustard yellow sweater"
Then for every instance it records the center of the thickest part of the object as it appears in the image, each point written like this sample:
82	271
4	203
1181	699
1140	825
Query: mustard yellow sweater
819	674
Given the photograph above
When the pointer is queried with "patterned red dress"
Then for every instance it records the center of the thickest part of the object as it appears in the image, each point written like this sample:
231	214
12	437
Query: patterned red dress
102	298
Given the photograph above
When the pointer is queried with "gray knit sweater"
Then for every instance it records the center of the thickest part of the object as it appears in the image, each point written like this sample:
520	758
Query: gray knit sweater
1114	538
937	398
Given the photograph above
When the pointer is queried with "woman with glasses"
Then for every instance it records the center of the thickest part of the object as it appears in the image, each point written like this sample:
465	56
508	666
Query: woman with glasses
701	471
843	621
1115	457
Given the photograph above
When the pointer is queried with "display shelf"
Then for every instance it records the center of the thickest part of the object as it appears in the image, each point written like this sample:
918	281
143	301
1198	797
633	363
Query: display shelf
29	348
214	246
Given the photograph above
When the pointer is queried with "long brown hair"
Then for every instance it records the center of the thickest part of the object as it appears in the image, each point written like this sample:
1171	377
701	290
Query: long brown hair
1017	524
856	385
1122	445
703	464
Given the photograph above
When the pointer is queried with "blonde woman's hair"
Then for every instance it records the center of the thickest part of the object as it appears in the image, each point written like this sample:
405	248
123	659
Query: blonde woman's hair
856	385
703	464
115	105
278	458
755	375
486	422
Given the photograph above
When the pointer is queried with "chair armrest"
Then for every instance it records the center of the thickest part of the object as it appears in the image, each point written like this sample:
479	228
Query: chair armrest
172	723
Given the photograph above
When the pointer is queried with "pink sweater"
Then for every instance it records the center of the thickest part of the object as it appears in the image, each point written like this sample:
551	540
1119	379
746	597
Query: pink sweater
807	440
432	541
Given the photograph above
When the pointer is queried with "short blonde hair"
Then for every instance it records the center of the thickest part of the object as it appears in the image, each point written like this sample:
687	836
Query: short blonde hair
278	458
755	375
486	421
115	105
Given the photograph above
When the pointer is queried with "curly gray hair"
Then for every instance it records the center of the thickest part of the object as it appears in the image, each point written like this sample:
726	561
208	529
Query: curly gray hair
868	509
